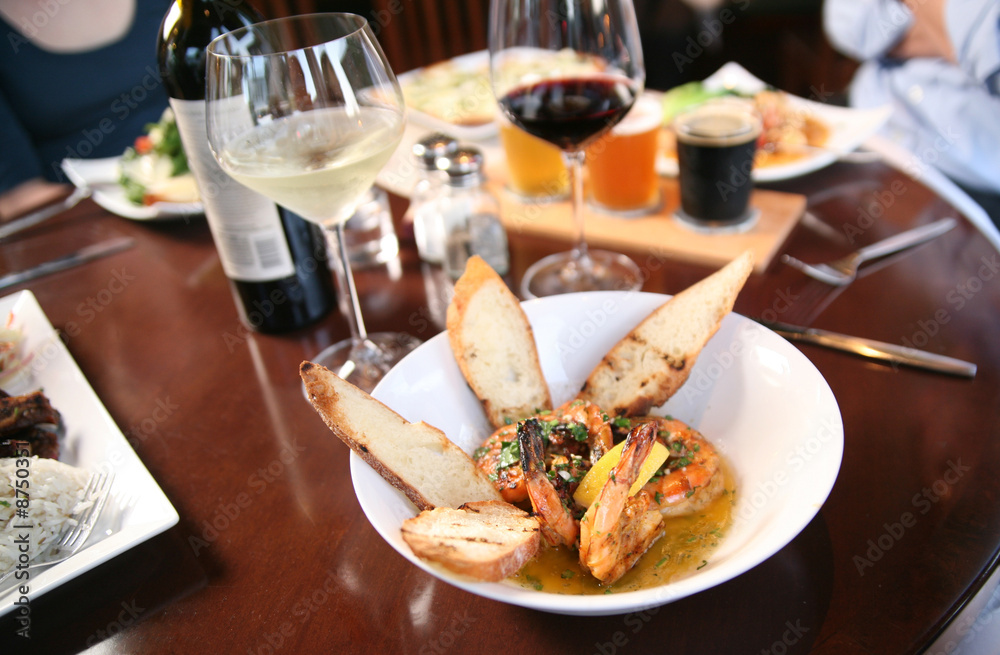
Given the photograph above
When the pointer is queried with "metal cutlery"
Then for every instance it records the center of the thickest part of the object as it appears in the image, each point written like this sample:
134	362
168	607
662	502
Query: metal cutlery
81	256
43	214
872	349
75	534
843	271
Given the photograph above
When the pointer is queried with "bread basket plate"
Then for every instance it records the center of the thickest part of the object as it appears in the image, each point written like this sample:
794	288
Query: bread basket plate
137	509
849	128
744	378
101	177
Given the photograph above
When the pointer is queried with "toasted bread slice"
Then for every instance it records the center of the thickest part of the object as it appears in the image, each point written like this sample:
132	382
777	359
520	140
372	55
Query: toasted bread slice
488	541
416	458
495	347
651	363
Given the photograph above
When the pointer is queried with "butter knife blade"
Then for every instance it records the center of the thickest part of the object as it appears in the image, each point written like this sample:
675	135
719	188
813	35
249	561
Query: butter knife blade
873	349
43	214
81	256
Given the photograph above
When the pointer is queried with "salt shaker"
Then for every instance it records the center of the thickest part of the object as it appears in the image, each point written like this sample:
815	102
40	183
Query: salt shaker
428	230
471	215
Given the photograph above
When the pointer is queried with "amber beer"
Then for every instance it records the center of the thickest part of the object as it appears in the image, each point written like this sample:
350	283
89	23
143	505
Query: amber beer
621	167
716	143
536	168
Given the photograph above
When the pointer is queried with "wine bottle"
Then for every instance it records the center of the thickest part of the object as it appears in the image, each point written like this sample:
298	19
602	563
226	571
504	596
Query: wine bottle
275	260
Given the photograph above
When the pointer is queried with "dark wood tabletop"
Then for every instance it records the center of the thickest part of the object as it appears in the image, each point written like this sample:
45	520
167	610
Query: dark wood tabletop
273	554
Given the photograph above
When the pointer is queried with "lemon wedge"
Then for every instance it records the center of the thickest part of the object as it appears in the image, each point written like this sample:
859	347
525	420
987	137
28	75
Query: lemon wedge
593	481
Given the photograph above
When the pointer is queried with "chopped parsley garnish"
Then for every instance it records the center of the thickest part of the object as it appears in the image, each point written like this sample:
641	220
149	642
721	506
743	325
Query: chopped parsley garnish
510	454
622	422
579	431
567	574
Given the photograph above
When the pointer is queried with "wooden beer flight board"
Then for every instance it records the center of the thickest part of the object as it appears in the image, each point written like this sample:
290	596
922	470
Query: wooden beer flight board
658	234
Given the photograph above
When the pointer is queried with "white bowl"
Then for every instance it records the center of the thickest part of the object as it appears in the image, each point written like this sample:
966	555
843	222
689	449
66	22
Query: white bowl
752	394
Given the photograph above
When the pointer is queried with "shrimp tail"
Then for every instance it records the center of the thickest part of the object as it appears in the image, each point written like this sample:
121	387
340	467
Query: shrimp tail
617	529
557	524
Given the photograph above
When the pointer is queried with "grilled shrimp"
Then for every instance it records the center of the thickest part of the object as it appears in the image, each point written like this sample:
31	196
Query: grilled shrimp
557	523
576	435
617	529
690	478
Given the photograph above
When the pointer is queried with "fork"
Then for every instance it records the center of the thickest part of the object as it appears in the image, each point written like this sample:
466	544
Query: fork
73	537
843	271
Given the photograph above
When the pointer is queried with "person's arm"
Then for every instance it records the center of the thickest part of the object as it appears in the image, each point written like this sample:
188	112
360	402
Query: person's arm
865	29
28	195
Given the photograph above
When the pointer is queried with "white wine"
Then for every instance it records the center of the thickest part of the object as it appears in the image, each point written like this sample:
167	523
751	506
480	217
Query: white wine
317	163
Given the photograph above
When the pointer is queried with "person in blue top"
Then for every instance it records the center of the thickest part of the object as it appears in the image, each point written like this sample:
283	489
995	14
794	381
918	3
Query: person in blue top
937	62
77	79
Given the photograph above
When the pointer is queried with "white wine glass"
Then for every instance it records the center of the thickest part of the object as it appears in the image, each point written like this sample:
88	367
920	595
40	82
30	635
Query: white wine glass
306	111
567	71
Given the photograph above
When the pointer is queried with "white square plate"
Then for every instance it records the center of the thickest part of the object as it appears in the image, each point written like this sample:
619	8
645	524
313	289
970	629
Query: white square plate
138	508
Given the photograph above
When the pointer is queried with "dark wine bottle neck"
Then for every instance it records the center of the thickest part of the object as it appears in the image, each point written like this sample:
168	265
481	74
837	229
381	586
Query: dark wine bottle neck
188	28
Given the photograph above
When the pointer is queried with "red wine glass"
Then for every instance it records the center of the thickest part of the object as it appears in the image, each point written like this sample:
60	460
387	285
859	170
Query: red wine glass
567	71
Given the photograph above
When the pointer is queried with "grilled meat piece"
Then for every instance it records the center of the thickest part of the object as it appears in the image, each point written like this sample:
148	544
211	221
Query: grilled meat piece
37	441
20	412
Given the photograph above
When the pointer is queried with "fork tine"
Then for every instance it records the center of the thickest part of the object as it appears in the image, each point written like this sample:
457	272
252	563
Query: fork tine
97	492
818	272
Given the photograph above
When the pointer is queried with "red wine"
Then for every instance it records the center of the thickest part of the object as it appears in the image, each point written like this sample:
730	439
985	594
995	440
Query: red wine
275	260
568	112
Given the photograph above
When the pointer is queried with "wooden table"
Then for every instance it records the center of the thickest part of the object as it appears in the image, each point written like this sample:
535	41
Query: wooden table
273	554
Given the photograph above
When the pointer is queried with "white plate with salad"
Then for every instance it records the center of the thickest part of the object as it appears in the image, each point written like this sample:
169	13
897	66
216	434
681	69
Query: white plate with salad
839	130
149	181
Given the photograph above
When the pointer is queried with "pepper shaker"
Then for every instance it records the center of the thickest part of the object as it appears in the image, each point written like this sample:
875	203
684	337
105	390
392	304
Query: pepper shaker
471	215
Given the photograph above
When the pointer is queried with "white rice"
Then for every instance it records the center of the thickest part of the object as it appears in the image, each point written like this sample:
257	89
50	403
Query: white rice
55	491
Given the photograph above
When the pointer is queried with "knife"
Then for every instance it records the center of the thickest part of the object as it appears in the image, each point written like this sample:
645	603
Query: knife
872	349
44	213
81	256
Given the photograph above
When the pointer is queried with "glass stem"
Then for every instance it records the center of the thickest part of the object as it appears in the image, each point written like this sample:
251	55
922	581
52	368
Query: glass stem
354	319
576	161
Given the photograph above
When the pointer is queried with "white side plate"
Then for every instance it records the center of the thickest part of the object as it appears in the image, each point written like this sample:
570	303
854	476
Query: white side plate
101	176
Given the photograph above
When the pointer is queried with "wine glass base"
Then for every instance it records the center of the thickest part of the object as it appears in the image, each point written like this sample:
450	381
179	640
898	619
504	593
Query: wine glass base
567	272
364	363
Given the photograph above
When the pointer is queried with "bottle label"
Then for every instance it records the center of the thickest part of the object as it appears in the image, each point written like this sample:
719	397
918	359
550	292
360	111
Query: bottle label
245	225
